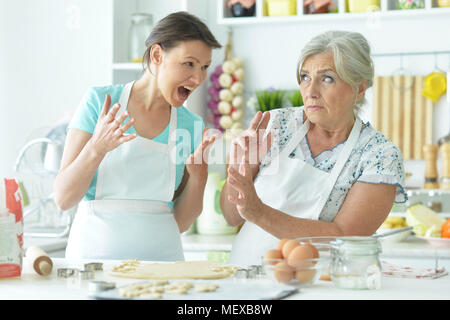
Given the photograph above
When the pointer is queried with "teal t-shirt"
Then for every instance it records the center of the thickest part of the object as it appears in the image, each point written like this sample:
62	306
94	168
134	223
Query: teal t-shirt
189	128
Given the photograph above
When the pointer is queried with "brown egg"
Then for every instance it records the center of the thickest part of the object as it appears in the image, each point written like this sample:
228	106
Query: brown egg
271	255
288	247
299	256
283	273
281	244
315	251
305	276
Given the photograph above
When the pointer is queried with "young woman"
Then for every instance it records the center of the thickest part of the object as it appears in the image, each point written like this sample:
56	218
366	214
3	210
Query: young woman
133	158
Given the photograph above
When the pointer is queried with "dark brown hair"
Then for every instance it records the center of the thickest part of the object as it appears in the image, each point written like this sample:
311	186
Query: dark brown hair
175	28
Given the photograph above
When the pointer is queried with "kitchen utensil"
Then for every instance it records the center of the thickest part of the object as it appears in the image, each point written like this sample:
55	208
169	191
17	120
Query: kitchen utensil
39	260
67	272
93	266
97	286
402	114
392	232
445	171
430	152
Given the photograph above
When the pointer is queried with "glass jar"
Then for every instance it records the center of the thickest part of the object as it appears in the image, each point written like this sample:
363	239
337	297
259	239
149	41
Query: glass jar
355	263
140	28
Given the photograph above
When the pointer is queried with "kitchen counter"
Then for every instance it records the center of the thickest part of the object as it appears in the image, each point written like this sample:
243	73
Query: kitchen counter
31	286
412	247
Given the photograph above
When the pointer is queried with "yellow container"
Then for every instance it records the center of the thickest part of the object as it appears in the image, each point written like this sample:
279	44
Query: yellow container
363	5
444	3
281	7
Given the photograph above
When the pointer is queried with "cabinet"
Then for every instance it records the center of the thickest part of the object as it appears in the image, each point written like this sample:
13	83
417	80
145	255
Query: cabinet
388	8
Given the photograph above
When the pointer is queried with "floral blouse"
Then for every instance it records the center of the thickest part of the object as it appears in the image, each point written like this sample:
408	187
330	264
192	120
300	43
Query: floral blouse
374	159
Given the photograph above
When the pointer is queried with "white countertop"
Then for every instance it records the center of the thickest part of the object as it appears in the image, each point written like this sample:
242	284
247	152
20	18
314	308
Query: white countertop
31	286
412	247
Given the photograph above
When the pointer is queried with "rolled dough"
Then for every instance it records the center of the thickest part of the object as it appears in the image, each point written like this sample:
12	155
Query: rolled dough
174	270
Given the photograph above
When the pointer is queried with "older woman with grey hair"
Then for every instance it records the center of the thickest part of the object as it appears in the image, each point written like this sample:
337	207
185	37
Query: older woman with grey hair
324	171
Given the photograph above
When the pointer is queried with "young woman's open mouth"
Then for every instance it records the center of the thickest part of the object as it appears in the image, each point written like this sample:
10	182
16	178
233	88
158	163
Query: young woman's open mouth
184	92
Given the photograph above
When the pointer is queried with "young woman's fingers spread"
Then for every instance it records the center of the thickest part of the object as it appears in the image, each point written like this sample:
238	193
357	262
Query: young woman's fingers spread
127	137
113	112
106	105
255	121
127	125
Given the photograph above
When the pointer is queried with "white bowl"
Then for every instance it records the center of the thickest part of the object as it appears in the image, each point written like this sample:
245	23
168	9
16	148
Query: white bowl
396	237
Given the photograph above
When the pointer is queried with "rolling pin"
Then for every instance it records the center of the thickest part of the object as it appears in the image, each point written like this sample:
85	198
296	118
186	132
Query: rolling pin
431	172
40	261
445	176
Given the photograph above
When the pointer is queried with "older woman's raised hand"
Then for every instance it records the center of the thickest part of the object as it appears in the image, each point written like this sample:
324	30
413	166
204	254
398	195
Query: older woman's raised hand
247	202
251	145
109	132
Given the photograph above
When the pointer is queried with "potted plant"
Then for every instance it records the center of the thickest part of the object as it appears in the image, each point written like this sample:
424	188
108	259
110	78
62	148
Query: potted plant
269	99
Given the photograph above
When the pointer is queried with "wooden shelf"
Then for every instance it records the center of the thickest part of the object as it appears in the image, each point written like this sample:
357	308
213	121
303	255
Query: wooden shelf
386	11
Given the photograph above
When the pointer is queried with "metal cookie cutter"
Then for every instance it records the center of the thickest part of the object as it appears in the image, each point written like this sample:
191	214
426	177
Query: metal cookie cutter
97	286
86	274
93	266
67	272
241	274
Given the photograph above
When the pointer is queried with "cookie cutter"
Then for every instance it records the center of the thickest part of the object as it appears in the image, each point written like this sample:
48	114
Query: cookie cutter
86	274
251	272
93	266
67	272
97	286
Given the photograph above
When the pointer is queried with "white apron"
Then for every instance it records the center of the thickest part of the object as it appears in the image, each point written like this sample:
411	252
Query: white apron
130	217
292	186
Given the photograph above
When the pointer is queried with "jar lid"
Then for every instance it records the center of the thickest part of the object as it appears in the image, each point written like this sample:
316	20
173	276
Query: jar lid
357	245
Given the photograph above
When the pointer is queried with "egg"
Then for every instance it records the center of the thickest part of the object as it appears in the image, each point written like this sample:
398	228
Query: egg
315	252
305	276
288	247
283	272
271	255
281	243
299	256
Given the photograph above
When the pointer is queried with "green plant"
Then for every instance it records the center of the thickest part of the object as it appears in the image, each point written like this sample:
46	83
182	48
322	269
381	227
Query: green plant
269	99
296	99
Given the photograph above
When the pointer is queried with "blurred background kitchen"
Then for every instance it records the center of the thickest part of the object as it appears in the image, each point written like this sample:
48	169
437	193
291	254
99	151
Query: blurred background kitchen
52	51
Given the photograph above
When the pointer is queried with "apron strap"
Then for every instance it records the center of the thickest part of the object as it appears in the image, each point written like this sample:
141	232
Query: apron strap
340	163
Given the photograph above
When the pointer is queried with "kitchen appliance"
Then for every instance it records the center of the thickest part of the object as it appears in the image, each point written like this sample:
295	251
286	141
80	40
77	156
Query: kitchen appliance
36	167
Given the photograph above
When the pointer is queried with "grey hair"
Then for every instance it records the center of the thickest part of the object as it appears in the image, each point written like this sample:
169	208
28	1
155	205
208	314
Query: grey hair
352	59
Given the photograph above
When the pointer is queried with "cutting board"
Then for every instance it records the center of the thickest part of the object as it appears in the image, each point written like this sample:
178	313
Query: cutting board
402	114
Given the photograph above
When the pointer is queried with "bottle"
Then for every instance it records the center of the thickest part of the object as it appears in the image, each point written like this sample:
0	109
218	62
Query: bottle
431	173
445	176
355	263
10	251
140	28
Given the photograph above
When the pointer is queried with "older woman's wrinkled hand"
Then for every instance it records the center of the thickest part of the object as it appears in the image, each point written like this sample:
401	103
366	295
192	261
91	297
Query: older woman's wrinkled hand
250	144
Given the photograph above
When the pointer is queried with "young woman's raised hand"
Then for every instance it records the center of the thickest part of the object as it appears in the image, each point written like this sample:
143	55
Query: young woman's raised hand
109	132
197	162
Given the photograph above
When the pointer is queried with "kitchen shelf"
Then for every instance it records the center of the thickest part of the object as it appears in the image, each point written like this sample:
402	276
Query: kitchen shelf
387	10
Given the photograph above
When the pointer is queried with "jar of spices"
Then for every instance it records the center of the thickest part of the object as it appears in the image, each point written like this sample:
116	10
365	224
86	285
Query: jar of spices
355	263
140	28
